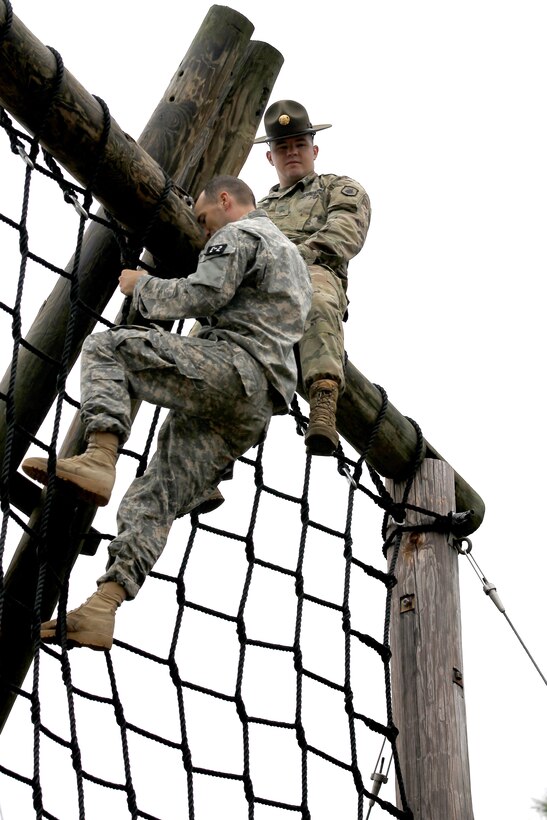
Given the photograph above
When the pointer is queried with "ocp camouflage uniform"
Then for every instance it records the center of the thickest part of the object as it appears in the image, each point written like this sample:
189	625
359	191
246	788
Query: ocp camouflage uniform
327	217
252	293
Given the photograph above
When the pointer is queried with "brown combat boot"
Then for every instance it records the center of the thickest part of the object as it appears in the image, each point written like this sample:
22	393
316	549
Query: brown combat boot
93	473
321	436
92	624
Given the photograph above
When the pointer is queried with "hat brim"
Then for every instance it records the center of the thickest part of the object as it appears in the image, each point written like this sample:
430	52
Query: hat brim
311	130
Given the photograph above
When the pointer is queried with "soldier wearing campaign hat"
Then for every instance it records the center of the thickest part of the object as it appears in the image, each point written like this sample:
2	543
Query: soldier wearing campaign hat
287	118
327	216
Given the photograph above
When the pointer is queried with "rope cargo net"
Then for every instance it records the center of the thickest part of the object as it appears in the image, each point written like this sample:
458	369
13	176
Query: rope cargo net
250	678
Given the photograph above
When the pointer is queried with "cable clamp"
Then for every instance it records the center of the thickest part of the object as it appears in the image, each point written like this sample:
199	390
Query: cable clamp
71	198
378	780
345	469
24	156
490	590
457	544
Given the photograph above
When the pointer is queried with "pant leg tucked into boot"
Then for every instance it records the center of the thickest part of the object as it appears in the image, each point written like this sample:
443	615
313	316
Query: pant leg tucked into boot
92	474
92	623
321	436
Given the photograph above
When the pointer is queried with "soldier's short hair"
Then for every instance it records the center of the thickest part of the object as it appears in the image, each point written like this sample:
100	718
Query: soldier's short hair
233	185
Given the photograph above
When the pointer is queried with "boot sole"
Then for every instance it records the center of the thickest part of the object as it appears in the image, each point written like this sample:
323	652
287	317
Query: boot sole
320	444
75	640
86	490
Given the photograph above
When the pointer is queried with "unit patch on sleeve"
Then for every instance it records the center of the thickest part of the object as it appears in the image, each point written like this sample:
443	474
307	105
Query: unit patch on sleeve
216	250
349	190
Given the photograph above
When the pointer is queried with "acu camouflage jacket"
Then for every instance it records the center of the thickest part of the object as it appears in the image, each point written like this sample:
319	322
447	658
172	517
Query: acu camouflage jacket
326	216
250	287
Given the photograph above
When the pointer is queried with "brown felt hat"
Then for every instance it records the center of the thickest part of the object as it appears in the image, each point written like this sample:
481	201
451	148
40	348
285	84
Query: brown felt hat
287	118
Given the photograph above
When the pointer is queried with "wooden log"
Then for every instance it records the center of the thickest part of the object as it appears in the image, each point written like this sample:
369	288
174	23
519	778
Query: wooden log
427	662
235	130
394	449
212	108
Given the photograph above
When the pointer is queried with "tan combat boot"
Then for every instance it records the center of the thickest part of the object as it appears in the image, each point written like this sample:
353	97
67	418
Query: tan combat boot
92	474
321	436
92	624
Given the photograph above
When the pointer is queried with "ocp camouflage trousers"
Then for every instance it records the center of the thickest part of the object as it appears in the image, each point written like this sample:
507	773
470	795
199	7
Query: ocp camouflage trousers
322	345
219	404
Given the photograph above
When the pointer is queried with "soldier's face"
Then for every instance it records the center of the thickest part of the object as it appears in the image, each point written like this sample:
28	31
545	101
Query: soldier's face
211	214
292	158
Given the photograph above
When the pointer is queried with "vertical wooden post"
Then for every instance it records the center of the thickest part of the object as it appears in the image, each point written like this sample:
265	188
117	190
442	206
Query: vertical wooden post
427	665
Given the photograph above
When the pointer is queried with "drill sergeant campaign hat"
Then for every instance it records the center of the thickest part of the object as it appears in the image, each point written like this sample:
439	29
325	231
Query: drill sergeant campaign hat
287	118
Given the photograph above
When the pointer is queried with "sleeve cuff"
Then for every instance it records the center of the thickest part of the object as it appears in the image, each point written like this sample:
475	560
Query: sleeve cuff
307	254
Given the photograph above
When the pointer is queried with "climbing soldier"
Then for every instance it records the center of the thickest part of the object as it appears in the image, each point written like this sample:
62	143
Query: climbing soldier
327	217
252	292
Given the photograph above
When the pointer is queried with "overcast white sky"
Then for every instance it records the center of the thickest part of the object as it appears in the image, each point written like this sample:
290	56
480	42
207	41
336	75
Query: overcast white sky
438	109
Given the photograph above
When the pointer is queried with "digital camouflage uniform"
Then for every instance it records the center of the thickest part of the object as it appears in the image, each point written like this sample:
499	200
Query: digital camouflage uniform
252	293
327	217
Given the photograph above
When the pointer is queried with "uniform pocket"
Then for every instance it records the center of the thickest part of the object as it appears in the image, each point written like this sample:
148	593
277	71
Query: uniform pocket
107	372
250	373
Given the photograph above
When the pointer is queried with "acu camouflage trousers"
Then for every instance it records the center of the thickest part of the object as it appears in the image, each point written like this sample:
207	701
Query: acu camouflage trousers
321	348
219	404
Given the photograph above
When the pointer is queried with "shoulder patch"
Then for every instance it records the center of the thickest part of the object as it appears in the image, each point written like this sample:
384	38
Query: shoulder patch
349	190
216	250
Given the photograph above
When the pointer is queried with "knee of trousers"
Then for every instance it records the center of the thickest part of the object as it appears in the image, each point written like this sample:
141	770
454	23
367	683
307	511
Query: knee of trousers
329	300
98	343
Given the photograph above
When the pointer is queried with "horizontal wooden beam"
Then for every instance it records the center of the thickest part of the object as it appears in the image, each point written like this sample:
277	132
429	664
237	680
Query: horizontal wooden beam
395	447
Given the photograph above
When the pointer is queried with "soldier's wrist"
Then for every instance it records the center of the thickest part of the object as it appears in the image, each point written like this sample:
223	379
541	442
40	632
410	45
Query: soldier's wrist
307	254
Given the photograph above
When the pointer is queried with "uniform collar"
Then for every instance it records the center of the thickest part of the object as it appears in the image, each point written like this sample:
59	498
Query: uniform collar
258	212
302	183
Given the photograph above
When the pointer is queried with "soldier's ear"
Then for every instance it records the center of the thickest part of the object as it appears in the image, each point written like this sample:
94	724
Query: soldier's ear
269	157
315	151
